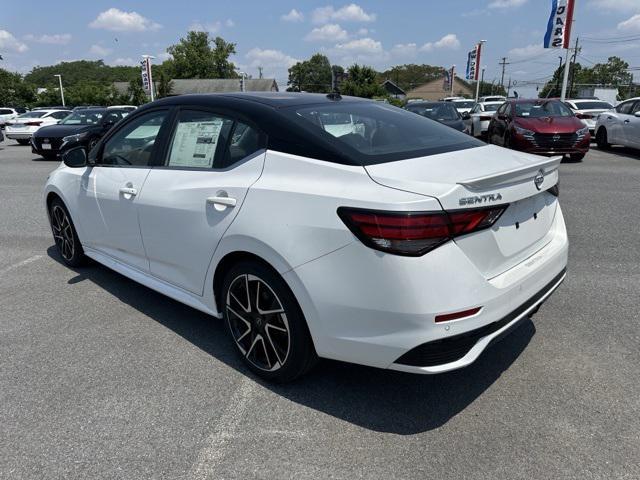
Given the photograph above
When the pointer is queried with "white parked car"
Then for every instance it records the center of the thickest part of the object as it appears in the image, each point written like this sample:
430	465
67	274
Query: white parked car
463	105
492	98
24	126
620	126
479	118
588	111
7	114
400	244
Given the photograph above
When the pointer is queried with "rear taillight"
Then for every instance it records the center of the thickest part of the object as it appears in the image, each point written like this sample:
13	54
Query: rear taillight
484	119
584	116
33	124
415	233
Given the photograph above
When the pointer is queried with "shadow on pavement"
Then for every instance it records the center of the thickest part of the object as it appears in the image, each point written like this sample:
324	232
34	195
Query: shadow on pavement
378	400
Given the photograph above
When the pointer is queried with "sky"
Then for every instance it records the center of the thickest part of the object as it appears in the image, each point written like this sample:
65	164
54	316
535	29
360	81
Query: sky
275	34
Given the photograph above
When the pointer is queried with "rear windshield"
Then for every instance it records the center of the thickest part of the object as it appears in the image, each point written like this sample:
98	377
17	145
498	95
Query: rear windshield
436	111
4	111
593	105
492	107
469	104
543	109
37	114
377	133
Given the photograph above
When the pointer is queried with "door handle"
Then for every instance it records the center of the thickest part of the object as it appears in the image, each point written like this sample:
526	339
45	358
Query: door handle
222	201
129	191
627	121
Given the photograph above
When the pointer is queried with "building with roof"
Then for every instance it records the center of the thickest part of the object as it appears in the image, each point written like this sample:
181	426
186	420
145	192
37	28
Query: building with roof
434	90
393	90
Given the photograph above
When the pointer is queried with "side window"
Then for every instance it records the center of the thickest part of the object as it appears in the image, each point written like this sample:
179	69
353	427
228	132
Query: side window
198	139
59	115
625	108
507	109
502	108
245	140
636	108
133	143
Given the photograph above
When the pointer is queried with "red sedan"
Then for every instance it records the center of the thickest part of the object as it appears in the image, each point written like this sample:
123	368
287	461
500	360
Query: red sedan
543	127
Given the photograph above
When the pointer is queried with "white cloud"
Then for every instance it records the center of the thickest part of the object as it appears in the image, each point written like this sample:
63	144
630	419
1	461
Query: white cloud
293	16
55	39
120	21
348	13
615	5
267	58
449	41
99	50
404	50
527	51
632	23
361	45
162	56
11	43
362	32
507	3
229	23
330	32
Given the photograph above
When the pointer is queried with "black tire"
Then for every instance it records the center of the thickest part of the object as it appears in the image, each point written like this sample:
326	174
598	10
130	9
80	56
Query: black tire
507	141
277	345
602	139
577	157
22	141
65	235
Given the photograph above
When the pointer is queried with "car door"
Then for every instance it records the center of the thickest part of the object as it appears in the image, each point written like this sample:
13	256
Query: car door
501	123
187	205
112	188
631	127
615	122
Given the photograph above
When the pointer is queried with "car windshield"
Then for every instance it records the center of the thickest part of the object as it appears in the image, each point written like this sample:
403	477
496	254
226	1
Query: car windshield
469	104
592	105
37	114
84	117
378	133
436	111
492	107
542	109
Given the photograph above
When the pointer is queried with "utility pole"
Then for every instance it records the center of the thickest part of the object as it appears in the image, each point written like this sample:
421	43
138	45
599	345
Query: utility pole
573	67
558	79
565	79
504	63
61	89
259	72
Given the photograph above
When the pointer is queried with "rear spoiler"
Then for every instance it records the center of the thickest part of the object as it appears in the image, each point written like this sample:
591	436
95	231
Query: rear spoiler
516	175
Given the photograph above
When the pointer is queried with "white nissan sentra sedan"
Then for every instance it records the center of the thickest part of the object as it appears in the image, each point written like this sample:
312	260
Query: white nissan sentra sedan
318	226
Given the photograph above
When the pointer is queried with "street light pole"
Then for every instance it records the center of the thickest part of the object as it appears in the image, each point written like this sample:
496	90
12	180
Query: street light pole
61	89
479	54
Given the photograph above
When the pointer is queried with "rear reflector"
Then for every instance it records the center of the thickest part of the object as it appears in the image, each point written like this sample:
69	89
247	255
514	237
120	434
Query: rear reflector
457	315
415	233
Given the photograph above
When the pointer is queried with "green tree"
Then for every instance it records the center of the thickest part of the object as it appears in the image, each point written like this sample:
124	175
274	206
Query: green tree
78	72
362	81
199	56
164	84
14	91
313	75
411	75
135	93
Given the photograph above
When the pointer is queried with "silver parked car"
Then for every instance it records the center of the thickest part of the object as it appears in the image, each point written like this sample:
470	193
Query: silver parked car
620	126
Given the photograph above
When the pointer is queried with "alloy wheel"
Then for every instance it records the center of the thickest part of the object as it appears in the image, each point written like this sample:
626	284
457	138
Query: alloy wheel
258	322
62	232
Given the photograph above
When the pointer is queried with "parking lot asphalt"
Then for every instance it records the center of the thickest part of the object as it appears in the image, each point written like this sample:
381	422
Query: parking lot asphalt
103	378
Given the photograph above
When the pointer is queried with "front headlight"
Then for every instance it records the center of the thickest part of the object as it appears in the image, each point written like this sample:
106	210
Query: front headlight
583	131
524	131
74	138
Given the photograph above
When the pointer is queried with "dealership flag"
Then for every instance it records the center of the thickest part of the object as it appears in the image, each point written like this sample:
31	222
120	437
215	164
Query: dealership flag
145	69
473	61
559	25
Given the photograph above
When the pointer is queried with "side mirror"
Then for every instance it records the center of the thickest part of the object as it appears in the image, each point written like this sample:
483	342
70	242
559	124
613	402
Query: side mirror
637	114
75	158
466	116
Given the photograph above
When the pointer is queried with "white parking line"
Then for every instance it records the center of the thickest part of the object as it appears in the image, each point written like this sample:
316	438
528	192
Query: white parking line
212	454
20	264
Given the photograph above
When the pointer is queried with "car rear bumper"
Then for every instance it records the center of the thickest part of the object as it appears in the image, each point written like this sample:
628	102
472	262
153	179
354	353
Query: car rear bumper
371	308
18	135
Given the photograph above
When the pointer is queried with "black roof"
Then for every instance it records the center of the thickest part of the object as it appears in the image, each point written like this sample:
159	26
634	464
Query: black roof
271	99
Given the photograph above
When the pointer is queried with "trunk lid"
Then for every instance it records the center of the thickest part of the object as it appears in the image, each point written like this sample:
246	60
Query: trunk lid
485	177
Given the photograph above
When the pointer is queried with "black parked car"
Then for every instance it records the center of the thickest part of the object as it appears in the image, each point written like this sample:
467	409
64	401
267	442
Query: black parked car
443	112
83	127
